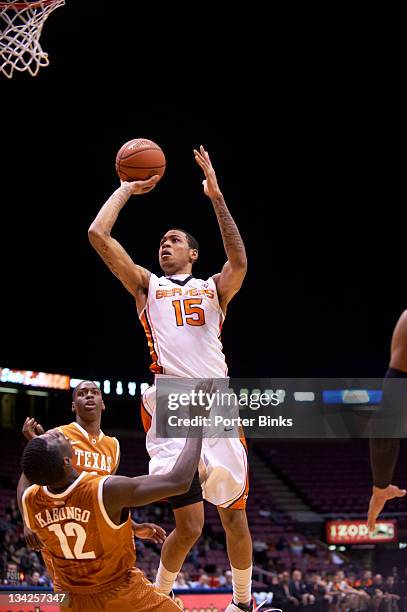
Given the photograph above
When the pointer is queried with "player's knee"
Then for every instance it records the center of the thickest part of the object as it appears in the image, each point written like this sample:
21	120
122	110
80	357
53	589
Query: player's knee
189	532
189	525
234	522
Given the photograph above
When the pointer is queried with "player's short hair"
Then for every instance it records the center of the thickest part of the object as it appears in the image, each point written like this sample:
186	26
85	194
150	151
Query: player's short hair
42	462
192	242
79	383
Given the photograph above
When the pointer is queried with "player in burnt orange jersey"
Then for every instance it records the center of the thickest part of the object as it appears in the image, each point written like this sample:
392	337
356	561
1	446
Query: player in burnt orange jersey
84	521
93	451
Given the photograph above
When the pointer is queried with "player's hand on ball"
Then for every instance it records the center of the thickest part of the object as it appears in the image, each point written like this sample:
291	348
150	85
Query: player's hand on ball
32	429
141	187
149	531
378	500
32	540
210	184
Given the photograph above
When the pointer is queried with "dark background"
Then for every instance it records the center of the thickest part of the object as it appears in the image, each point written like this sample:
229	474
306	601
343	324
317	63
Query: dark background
303	116
303	133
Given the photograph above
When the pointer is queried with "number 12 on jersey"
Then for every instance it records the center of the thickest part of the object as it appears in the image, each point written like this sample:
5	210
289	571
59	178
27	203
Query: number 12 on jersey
189	311
72	529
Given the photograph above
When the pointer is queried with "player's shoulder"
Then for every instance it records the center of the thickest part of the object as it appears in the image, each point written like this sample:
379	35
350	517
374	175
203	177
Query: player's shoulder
210	279
71	430
85	488
29	501
111	440
204	283
160	281
66	427
92	485
88	481
167	280
154	278
30	493
401	325
116	451
403	319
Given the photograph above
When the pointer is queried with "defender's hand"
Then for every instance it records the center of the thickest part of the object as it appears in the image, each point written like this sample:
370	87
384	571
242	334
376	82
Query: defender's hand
378	500
32	429
140	187
211	187
149	531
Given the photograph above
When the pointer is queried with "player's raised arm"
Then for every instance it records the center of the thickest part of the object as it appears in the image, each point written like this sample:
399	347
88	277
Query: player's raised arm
121	492
135	278
229	281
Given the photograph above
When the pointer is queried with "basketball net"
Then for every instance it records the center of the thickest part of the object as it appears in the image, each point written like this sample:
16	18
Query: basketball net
21	26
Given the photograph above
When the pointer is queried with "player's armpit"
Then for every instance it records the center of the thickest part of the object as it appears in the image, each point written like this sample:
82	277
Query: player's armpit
228	282
122	492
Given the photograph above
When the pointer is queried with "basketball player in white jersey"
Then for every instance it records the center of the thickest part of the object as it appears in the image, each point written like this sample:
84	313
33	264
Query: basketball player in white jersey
182	317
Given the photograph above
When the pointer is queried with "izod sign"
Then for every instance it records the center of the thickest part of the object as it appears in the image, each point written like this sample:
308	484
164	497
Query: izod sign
355	532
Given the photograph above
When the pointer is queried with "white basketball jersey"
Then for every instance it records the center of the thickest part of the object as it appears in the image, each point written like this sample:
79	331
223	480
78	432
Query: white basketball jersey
182	319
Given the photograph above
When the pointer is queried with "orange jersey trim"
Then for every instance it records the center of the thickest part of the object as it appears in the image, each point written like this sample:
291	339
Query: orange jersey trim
148	330
145	417
240	502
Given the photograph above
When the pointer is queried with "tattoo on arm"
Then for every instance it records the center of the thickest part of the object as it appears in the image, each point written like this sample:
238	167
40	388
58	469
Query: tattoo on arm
232	240
109	249
110	210
105	253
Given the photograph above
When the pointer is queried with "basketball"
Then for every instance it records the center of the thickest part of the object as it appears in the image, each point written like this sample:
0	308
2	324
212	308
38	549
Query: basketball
139	159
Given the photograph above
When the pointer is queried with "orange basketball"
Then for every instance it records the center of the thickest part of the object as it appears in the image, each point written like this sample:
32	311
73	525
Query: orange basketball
139	159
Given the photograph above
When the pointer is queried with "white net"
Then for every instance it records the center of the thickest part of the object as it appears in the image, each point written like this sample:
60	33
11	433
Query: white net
21	26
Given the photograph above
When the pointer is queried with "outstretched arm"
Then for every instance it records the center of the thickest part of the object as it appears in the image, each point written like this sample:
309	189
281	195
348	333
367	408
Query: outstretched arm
229	281
135	278
121	492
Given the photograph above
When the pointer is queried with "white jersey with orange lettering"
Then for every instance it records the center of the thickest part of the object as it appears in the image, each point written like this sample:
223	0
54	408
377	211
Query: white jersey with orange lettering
182	320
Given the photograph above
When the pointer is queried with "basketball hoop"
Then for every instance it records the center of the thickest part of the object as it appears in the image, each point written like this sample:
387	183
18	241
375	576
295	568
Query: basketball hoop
20	47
